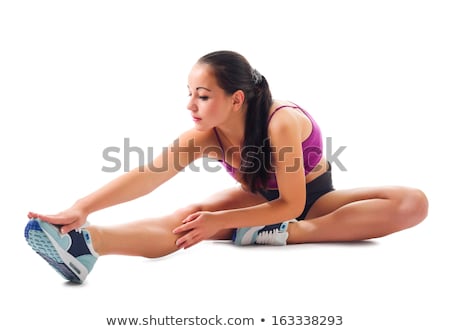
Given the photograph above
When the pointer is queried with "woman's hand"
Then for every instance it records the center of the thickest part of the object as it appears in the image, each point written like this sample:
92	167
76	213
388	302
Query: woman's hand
70	219
197	227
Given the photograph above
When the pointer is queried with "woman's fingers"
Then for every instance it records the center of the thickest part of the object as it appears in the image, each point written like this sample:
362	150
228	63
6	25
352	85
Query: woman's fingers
187	224
69	227
69	220
188	240
183	228
54	219
191	217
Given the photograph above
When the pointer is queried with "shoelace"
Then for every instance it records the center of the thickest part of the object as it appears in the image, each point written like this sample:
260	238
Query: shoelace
269	237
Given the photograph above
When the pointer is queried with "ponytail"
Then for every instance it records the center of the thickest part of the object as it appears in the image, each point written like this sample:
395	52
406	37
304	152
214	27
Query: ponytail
256	153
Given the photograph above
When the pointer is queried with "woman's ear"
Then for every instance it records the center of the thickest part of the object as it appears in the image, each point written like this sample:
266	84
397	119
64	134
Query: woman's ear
238	100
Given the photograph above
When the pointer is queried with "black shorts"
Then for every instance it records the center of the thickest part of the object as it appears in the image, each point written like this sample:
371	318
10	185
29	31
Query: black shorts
314	190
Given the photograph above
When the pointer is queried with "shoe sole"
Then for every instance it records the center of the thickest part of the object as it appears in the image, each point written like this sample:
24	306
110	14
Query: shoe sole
46	247
246	236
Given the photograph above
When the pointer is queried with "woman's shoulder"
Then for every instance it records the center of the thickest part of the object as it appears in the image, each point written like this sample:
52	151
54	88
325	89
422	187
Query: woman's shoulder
283	113
286	115
198	140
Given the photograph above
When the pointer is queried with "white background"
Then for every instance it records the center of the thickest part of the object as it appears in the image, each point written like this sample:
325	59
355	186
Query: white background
77	77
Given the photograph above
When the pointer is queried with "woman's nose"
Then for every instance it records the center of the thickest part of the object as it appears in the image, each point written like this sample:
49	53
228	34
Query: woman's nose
191	105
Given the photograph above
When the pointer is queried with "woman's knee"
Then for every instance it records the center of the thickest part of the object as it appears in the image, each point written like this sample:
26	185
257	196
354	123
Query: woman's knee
412	207
184	212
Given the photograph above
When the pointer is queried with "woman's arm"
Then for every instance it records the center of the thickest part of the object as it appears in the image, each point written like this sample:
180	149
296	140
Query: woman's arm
134	184
143	180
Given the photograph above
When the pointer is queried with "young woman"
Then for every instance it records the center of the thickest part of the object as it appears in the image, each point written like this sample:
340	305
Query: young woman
272	147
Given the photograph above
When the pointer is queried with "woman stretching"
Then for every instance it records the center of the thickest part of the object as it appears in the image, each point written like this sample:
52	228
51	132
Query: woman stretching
274	150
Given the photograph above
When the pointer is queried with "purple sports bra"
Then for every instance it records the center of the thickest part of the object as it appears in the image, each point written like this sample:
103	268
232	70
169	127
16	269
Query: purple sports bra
312	149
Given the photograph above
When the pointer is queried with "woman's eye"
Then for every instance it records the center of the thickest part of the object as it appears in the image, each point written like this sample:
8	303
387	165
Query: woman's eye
203	98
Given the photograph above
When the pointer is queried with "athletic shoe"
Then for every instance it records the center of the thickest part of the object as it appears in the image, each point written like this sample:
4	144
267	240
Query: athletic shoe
71	254
275	234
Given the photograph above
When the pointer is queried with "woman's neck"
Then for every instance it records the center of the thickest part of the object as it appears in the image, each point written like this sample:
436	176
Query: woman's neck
233	129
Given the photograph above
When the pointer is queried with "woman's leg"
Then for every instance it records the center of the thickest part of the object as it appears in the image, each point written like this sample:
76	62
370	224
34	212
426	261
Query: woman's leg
153	237
358	214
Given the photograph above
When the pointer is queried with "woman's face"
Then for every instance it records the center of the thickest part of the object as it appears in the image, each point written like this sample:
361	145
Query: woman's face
210	106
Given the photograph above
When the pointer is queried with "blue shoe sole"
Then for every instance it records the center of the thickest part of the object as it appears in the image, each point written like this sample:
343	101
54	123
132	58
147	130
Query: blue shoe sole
40	243
246	236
